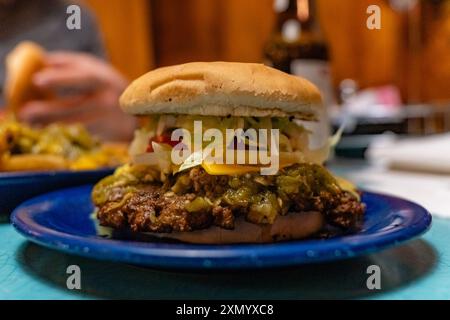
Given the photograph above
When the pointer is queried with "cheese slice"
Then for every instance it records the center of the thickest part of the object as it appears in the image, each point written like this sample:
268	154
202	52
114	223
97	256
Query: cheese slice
234	169
348	186
228	169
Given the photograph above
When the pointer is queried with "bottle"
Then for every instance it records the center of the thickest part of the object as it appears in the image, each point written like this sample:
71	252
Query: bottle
297	46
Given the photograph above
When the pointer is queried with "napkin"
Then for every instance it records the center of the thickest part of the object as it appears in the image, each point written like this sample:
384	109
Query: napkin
424	154
417	169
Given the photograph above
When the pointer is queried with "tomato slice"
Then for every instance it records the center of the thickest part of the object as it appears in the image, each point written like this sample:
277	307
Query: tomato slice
163	138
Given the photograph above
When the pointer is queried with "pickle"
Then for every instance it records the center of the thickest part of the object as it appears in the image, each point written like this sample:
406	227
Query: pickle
288	184
182	184
238	198
199	204
264	209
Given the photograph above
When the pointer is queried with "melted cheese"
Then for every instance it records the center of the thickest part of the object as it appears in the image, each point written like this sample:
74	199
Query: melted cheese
228	169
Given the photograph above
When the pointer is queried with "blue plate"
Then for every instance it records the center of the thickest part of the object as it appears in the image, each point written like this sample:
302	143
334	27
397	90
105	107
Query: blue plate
16	187
61	220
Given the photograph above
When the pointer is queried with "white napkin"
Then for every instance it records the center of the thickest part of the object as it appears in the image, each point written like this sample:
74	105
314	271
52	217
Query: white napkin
426	154
424	175
431	191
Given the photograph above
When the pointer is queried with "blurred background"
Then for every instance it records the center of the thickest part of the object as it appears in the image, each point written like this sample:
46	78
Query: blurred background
411	50
394	78
391	77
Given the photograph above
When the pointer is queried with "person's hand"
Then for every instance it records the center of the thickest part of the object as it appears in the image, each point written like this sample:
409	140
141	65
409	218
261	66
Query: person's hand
84	89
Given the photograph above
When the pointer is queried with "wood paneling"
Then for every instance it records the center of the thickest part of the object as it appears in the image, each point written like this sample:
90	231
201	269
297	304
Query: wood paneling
127	32
236	30
411	50
231	30
246	27
142	34
368	56
186	30
436	54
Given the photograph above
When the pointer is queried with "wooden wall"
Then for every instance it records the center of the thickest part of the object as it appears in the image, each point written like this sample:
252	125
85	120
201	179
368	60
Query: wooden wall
126	28
142	34
357	52
193	30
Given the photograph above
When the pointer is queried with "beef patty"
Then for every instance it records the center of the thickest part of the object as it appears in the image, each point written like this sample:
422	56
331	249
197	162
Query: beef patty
195	200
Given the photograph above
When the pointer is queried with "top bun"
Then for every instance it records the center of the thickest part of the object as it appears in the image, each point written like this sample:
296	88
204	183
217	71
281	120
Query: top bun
222	89
21	63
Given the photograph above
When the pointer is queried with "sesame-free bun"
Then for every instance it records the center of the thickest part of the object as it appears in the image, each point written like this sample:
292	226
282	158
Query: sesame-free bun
221	89
21	64
293	226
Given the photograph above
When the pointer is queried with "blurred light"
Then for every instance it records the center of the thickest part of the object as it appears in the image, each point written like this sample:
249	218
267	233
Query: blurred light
302	10
291	30
402	5
280	5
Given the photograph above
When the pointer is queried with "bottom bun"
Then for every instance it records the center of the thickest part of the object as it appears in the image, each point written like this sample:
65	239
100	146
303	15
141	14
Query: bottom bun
288	227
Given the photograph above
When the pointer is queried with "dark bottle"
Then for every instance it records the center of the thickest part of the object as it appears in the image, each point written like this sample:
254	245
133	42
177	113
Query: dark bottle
296	45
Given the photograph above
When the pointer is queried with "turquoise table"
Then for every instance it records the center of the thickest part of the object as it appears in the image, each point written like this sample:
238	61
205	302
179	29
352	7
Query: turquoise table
419	269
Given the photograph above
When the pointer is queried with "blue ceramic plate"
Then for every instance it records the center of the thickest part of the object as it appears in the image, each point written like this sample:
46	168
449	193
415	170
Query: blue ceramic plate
61	220
16	187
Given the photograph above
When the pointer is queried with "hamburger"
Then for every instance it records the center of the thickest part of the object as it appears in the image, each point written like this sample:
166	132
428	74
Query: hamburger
22	63
197	200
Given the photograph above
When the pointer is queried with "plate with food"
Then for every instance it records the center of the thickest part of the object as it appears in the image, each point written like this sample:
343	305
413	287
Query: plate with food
181	202
64	221
36	160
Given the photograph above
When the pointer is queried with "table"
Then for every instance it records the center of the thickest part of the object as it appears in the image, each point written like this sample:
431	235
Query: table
419	269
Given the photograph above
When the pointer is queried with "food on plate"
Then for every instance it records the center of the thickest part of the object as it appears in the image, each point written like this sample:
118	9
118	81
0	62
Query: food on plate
202	201
55	147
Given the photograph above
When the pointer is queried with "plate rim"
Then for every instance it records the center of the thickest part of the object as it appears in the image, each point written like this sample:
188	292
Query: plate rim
232	256
5	175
